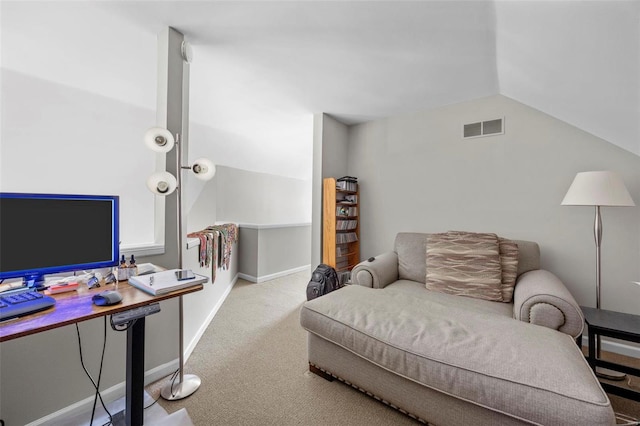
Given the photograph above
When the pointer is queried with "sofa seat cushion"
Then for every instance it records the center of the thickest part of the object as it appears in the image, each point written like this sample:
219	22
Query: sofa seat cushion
470	304
522	370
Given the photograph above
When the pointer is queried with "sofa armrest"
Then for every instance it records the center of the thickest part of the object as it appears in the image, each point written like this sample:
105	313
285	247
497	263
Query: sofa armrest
383	270
541	298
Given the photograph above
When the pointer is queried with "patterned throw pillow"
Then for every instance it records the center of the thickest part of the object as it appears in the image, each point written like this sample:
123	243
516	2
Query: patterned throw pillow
465	264
509	261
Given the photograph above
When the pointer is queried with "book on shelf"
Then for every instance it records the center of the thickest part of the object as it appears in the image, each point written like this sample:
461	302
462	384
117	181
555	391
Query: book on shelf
347	211
348	237
344	225
347	183
347	199
342	251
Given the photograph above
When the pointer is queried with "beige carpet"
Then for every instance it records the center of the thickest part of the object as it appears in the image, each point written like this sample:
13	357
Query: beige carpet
154	415
253	364
623	405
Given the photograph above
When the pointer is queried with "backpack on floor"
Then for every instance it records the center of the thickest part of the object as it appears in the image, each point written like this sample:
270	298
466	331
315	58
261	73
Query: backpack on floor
324	279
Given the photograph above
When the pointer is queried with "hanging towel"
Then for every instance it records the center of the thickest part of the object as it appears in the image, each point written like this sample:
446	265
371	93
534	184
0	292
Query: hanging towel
215	246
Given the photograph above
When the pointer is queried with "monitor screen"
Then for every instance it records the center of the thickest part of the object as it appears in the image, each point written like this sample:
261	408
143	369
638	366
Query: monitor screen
48	233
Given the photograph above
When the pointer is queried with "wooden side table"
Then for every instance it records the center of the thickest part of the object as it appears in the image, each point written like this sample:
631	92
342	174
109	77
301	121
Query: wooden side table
617	325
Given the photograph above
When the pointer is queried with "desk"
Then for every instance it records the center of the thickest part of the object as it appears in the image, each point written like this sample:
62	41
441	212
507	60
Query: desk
77	306
617	325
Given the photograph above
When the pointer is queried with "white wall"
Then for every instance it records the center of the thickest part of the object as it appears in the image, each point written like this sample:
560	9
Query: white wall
593	84
334	147
416	173
330	138
75	102
60	139
272	251
274	213
250	197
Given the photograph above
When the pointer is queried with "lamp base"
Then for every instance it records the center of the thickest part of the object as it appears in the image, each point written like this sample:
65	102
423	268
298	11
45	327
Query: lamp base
605	373
174	391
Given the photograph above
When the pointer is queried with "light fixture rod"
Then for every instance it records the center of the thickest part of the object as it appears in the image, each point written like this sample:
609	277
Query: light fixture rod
179	215
173	111
597	234
179	195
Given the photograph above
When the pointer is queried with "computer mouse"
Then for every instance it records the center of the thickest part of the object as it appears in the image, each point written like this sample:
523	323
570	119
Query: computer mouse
107	297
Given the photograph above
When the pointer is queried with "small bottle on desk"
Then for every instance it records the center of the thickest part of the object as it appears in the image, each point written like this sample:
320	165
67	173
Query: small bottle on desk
132	270
123	270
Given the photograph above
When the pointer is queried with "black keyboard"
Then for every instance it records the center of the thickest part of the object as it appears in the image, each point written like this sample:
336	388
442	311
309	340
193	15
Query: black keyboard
23	302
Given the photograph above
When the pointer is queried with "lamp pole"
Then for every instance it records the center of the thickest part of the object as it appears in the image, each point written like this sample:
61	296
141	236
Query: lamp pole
598	188
187	383
597	234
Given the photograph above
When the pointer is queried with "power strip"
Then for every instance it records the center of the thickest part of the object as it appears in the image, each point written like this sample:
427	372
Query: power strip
133	314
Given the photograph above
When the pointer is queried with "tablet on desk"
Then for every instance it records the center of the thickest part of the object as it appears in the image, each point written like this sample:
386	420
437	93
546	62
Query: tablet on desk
185	274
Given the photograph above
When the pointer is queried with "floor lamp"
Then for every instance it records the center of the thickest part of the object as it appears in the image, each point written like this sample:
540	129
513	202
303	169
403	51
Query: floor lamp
164	183
598	189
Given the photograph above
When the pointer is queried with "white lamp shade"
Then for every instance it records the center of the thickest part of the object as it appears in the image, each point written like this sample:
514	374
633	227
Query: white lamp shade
162	183
159	140
598	189
203	168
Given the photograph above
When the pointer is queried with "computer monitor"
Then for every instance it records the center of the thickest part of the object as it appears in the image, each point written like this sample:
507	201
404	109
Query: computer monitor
51	233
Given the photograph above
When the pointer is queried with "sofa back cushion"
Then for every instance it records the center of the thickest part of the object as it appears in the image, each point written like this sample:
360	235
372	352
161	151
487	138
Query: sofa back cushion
411	248
509	255
412	263
528	256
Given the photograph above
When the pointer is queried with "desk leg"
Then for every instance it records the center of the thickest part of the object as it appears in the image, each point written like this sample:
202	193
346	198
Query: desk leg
592	350
134	409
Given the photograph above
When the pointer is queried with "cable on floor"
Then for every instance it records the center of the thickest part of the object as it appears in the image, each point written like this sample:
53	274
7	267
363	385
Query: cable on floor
173	378
95	385
630	421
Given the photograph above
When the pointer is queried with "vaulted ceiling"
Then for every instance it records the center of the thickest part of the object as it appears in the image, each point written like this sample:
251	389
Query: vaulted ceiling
262	68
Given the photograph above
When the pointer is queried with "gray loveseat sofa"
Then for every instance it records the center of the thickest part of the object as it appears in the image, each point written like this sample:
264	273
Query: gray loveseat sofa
453	360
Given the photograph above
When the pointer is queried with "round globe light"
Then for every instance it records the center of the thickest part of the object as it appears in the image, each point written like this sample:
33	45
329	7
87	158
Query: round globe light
203	168
159	140
162	183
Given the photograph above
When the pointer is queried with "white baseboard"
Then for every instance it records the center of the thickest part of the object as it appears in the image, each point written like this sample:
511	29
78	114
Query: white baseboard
192	345
263	278
615	347
108	395
247	277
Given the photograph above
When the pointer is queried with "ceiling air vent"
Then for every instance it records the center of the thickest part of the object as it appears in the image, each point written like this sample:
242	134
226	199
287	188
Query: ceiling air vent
484	128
